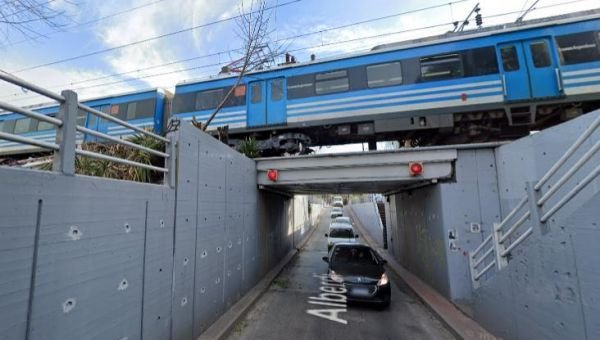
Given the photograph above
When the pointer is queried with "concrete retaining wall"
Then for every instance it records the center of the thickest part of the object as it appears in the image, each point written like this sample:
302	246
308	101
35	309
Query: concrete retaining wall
369	217
87	258
546	291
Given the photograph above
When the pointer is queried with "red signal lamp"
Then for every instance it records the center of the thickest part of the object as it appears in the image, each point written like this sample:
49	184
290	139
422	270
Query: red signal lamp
272	175
415	168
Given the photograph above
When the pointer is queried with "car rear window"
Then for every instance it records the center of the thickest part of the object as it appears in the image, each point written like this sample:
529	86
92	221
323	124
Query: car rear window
354	255
341	233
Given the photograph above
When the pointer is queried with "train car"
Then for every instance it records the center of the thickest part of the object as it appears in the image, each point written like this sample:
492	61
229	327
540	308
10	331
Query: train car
145	109
491	83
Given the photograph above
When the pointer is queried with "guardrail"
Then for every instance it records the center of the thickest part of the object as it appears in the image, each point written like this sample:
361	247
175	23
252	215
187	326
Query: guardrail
503	240
65	148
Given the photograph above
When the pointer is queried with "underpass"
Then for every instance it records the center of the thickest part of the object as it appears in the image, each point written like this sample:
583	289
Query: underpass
282	312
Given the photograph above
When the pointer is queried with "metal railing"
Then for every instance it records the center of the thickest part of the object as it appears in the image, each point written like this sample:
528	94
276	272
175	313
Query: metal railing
65	147
505	238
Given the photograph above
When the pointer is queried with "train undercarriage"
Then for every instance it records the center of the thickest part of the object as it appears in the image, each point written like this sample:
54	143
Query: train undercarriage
506	124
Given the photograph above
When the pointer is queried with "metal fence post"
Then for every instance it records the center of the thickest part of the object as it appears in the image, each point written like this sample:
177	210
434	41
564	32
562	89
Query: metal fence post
64	158
535	210
473	271
501	261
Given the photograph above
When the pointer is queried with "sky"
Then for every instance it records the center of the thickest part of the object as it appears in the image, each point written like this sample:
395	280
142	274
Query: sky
99	29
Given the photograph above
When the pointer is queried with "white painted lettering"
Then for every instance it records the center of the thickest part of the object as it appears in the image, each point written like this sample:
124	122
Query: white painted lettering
333	290
327	304
329	314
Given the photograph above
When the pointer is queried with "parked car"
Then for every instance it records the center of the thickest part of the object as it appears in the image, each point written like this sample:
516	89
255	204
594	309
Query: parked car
360	269
340	233
338	203
342	219
336	212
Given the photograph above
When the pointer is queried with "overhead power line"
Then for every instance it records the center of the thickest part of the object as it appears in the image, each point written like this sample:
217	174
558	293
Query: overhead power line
189	29
297	49
285	39
129	10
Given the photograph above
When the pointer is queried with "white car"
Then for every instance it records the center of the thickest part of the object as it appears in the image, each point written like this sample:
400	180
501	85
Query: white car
338	203
342	219
336	212
340	234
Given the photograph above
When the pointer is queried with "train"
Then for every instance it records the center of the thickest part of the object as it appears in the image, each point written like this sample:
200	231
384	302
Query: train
487	84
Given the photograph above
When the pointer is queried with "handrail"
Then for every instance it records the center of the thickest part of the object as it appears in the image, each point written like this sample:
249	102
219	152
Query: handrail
586	157
31	114
514	227
121	141
483	257
22	83
119	160
568	153
484	270
121	122
25	140
587	179
483	243
517	241
513	212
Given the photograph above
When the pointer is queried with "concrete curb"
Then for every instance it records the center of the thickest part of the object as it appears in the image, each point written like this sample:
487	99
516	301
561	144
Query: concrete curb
458	323
221	328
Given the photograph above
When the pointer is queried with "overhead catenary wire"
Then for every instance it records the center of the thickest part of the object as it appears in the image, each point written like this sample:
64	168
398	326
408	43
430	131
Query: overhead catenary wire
133	43
289	51
108	16
239	49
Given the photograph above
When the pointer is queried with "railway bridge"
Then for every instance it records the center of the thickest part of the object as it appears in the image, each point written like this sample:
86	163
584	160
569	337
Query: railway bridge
497	240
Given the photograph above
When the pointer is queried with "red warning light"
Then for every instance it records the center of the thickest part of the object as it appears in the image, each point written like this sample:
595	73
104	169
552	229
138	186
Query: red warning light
415	169
272	175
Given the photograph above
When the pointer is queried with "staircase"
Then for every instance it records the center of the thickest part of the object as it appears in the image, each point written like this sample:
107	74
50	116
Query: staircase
540	203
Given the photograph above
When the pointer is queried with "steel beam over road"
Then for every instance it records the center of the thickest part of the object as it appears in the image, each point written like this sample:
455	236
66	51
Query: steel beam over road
360	172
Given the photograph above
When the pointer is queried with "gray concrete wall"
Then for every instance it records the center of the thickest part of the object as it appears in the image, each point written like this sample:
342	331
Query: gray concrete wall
369	217
549	289
91	258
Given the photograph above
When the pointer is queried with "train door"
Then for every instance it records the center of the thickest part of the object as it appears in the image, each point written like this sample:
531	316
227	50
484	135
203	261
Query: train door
543	71
257	108
266	104
276	113
528	70
96	123
514	71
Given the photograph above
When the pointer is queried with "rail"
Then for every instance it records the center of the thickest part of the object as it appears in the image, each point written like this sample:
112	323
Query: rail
65	147
505	237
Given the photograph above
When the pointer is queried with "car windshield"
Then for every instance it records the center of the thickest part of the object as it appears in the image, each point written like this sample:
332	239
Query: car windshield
342	220
354	255
341	233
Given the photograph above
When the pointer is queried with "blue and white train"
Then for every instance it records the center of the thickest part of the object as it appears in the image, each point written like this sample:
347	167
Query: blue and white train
147	109
487	84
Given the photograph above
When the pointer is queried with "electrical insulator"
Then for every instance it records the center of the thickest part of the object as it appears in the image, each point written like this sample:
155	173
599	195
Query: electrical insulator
478	20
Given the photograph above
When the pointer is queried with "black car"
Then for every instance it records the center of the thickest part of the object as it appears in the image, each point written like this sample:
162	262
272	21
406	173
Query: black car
360	270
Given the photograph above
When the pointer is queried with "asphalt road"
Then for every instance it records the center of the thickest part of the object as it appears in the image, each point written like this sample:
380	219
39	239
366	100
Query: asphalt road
281	313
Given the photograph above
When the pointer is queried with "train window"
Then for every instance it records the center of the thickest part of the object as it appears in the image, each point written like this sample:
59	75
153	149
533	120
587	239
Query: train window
332	82
480	61
539	53
578	48
145	108
208	99
42	126
255	93
184	102
131	110
384	74
276	89
8	126
22	125
80	117
440	67
510	61
300	86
